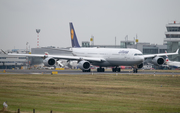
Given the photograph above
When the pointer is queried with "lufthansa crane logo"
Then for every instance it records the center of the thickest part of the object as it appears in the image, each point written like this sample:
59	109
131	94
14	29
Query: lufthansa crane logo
72	34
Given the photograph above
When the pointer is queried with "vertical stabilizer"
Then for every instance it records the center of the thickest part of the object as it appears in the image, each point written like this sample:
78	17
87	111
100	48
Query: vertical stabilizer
167	59
74	40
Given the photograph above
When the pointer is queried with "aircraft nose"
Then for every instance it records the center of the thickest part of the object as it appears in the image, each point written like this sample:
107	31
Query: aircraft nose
141	58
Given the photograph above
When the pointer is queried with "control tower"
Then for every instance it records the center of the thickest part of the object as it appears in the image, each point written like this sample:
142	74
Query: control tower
173	39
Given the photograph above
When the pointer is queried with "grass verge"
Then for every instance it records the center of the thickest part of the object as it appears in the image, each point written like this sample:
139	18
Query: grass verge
91	93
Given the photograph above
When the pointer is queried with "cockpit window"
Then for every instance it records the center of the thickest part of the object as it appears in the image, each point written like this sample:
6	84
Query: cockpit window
137	54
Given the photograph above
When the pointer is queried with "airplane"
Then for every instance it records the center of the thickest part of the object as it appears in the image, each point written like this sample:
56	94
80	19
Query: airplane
172	64
102	57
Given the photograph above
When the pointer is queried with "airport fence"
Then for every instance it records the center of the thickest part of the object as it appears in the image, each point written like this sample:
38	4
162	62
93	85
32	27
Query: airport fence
33	111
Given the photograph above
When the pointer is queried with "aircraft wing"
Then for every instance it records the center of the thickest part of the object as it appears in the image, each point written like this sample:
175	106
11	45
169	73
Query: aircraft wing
31	55
77	58
161	54
93	59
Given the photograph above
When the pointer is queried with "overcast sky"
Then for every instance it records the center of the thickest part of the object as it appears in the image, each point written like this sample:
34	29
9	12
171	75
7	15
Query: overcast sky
104	19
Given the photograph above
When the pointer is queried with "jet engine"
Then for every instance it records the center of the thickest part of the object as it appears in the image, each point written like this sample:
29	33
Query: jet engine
140	66
84	65
158	61
49	62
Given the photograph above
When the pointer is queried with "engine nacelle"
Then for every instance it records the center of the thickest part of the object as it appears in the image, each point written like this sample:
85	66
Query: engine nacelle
158	61
84	65
140	66
49	62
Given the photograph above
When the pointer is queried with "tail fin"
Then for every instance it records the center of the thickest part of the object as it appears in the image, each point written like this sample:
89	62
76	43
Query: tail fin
74	40
167	59
46	53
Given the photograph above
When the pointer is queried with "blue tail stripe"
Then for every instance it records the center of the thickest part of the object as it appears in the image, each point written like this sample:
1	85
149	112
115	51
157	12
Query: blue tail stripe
74	40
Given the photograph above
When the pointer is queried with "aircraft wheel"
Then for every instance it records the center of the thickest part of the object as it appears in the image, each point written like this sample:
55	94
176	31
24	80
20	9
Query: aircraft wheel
119	69
135	70
100	69
113	69
89	70
97	69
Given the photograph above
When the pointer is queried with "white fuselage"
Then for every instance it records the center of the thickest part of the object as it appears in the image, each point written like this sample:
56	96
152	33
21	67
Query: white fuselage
113	57
173	64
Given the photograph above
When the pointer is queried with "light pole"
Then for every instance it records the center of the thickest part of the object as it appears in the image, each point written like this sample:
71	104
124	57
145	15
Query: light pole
37	31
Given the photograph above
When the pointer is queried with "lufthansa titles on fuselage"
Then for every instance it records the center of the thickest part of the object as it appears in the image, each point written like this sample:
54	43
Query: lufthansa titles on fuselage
123	52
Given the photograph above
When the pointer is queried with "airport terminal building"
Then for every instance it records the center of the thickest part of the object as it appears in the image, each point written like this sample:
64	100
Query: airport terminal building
145	48
19	62
16	62
172	39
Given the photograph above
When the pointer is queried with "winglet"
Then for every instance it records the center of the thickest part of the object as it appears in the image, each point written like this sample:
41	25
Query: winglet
4	52
177	51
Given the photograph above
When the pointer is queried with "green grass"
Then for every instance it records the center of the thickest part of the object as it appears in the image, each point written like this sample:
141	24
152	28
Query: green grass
91	93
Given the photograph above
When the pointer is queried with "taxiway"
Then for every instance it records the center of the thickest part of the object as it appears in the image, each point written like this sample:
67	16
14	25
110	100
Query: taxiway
10	71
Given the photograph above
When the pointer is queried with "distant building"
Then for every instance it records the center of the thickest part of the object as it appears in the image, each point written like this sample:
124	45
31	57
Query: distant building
85	44
125	44
9	62
145	48
172	39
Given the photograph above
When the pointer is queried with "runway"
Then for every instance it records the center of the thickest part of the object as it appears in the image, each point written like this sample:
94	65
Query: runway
32	71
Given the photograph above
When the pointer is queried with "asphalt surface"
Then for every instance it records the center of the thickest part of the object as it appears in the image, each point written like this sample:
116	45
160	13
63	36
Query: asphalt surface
32	71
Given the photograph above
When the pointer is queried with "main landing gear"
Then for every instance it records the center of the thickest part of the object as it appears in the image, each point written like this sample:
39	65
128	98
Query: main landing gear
116	69
89	70
100	69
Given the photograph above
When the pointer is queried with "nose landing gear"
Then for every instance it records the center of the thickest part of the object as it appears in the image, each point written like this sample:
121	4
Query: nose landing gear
135	69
